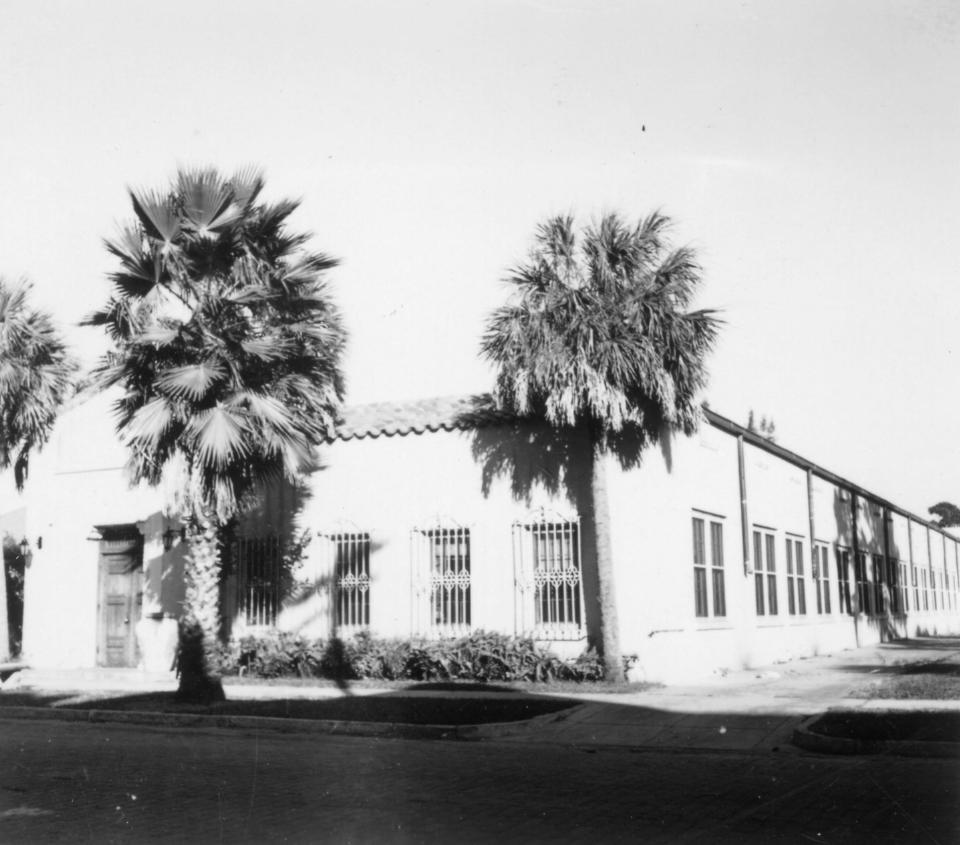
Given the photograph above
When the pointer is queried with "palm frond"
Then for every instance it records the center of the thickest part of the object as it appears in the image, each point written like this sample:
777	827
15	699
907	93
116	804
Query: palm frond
156	214
191	381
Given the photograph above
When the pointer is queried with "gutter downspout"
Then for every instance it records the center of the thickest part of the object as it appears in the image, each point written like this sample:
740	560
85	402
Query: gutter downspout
744	516
856	563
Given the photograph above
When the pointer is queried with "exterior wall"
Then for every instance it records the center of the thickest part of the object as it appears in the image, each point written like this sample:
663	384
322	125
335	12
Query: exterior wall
486	480
390	486
77	482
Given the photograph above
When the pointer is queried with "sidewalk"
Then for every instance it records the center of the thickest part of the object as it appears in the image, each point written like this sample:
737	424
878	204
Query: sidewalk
755	710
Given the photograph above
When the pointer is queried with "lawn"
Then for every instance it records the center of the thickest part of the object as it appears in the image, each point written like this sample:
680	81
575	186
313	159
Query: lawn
938	681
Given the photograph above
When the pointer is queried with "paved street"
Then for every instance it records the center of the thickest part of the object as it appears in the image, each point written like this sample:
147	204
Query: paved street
68	782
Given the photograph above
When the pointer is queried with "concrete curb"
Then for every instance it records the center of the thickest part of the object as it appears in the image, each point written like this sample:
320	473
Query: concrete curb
809	740
395	730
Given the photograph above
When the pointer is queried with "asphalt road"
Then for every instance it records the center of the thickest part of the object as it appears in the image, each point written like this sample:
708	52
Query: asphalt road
73	782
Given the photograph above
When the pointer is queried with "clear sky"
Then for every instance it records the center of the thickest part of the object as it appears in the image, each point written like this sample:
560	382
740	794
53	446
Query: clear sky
809	150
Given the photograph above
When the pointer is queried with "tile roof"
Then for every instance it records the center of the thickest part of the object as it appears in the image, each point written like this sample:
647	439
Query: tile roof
445	413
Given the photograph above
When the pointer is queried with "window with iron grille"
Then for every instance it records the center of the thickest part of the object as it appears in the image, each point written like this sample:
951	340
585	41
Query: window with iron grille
765	572
796	587
548	577
351	579
258	567
821	577
843	580
445	569
708	559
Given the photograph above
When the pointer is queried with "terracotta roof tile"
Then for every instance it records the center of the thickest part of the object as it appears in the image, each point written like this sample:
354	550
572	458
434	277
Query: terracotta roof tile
445	413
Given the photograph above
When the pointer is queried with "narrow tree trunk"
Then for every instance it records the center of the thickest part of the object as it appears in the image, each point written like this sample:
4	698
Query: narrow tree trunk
200	625
609	627
5	652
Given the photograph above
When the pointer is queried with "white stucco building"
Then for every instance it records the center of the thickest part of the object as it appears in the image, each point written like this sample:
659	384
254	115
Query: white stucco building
438	517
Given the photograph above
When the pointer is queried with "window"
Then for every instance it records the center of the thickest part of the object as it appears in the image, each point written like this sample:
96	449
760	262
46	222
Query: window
796	591
821	577
450	581
351	576
916	587
933	587
843	580
878	607
257	561
903	592
708	569
549	577
926	591
765	572
863	593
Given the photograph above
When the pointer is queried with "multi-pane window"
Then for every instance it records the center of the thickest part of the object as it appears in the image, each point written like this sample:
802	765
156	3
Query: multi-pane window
903	590
916	587
351	577
821	577
878	579
933	587
796	589
708	581
258	566
926	591
863	592
843	580
765	572
549	577
450	579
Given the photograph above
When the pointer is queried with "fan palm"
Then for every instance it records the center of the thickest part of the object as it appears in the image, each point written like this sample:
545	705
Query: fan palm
227	344
35	378
598	337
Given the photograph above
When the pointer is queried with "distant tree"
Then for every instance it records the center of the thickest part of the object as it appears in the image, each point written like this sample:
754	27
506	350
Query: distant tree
36	373
228	345
767	428
947	514
598	337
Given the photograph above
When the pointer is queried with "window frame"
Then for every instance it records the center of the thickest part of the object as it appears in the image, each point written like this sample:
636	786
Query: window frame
709	572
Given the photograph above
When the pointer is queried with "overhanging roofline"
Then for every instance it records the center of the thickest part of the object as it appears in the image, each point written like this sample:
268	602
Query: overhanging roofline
754	439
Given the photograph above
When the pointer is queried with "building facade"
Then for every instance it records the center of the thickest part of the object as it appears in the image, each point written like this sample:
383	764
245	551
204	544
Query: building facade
441	517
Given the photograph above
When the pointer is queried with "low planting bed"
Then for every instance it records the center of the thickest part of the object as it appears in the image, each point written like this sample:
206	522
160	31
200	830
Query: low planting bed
902	726
468	708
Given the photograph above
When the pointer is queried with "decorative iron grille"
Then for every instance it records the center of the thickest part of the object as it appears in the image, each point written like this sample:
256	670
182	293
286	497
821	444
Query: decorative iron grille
442	579
548	577
351	580
258	567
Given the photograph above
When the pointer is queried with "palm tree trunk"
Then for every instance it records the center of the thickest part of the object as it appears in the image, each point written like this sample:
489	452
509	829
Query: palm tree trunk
200	625
609	627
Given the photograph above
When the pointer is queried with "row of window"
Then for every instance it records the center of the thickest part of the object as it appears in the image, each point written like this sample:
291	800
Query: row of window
546	568
879	585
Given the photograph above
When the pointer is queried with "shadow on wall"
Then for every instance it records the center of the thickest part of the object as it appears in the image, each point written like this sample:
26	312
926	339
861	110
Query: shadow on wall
274	516
532	455
868	591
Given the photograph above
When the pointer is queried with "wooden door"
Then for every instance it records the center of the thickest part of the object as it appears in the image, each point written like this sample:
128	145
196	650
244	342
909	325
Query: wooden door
121	597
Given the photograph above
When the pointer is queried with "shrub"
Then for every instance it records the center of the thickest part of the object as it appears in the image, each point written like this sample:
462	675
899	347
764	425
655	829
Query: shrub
480	656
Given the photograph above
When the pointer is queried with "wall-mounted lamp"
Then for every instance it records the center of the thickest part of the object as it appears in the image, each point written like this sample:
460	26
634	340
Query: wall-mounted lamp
168	537
26	552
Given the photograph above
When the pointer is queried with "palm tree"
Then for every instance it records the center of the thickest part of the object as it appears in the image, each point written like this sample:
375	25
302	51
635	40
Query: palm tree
597	338
227	344
35	379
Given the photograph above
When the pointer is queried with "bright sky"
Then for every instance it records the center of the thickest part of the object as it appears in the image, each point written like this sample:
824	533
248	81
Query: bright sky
809	150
